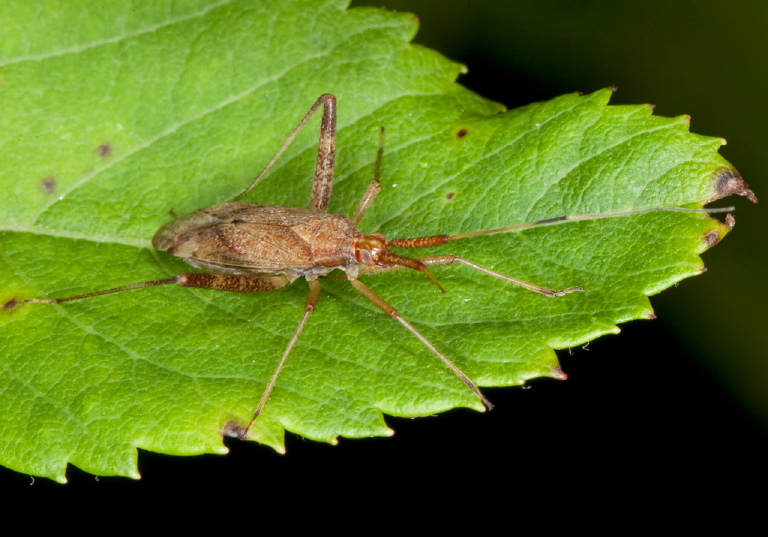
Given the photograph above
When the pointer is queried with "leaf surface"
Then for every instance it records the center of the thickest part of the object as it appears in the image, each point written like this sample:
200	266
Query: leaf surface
107	124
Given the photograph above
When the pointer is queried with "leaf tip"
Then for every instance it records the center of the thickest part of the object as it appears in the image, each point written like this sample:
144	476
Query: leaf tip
729	182
711	238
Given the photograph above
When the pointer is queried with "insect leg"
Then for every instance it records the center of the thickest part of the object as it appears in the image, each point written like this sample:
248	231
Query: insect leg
131	287
222	282
309	307
365	202
451	259
392	312
373	188
436	260
321	189
326	150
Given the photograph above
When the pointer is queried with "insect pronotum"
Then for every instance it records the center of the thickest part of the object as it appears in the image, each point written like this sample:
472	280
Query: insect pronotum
252	248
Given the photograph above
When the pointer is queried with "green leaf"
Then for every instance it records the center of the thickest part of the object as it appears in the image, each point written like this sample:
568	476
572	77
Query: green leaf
109	122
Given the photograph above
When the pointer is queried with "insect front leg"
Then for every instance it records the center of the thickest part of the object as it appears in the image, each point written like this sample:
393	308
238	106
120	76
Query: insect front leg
436	260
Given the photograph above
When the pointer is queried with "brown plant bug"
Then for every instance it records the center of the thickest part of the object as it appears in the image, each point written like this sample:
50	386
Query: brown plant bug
252	248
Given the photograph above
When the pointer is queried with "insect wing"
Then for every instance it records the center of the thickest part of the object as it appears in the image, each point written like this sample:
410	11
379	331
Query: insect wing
247	247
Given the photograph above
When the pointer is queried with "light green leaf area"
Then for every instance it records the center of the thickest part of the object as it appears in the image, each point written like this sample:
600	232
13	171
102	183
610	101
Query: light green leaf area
108	123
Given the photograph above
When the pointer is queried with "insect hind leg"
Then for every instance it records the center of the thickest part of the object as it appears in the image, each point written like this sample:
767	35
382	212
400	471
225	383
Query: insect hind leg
326	151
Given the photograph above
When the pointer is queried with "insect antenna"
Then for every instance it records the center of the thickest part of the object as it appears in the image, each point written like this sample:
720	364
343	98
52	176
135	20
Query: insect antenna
557	219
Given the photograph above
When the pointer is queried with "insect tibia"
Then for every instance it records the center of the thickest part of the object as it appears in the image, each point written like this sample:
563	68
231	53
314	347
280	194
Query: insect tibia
566	218
131	287
325	153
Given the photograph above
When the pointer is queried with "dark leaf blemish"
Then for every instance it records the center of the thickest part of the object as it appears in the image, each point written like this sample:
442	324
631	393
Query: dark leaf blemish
462	133
10	304
712	238
48	185
234	430
105	149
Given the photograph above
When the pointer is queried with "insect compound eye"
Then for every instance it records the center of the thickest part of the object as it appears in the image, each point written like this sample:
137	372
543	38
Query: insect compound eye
364	256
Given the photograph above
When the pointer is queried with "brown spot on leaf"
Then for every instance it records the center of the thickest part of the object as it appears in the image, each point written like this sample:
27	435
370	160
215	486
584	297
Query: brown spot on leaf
651	316
48	185
461	133
730	221
450	195
105	149
712	238
10	304
234	430
729	182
